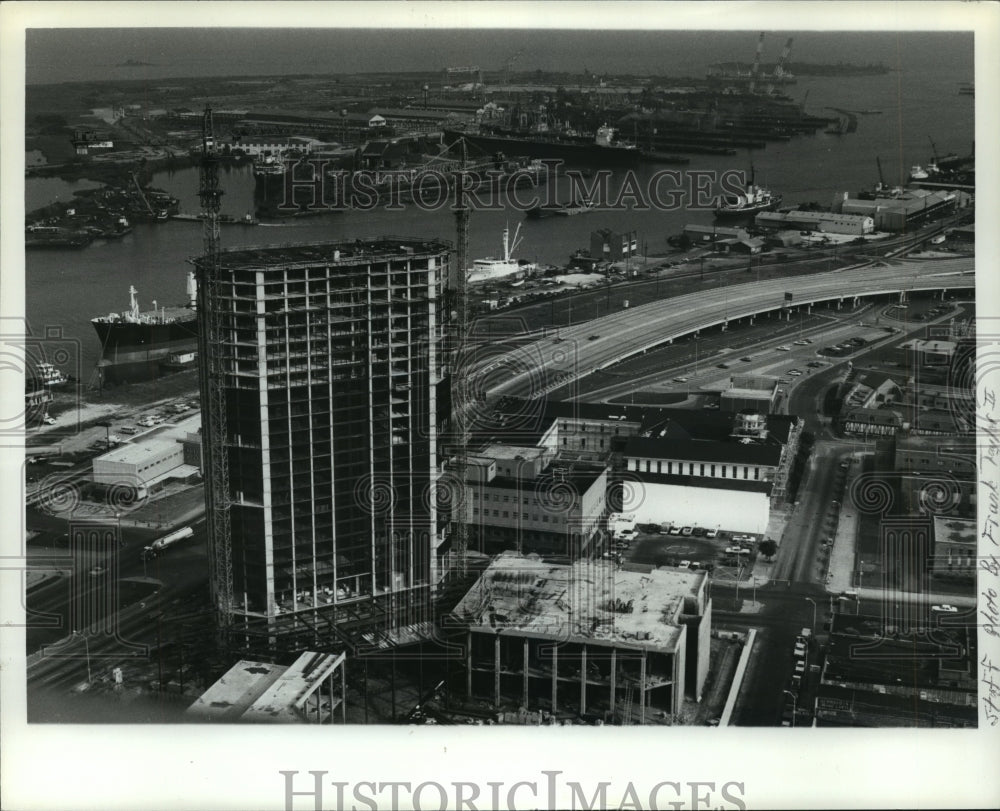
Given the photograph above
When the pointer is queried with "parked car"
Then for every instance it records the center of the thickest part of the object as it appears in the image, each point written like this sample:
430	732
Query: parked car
49	420
675	530
746	359
949	609
128	429
794	373
686	531
711	533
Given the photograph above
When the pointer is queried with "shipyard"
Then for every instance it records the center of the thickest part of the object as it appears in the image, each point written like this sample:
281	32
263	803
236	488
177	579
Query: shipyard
509	392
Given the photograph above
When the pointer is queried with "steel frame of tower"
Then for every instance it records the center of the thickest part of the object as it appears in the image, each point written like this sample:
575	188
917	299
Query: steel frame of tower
211	350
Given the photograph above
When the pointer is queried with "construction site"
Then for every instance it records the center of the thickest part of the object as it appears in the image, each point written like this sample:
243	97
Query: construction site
585	638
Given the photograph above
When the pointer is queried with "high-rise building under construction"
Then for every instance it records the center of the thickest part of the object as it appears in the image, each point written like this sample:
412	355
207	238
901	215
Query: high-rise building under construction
328	363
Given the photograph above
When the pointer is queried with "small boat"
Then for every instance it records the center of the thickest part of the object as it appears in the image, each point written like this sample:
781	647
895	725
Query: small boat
755	200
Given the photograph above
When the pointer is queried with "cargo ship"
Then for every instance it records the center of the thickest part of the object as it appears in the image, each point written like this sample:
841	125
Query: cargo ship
600	150
135	345
494	268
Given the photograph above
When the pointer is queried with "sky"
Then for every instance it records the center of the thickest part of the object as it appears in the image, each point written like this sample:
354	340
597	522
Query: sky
65	55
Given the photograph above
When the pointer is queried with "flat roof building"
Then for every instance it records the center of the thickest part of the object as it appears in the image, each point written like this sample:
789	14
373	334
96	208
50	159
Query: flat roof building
829	221
585	638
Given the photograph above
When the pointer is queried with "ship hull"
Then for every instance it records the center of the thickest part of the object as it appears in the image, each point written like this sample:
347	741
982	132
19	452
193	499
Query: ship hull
583	153
135	352
744	213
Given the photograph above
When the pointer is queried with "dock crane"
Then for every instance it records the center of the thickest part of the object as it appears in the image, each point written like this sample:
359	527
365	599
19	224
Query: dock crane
779	68
141	194
508	65
756	63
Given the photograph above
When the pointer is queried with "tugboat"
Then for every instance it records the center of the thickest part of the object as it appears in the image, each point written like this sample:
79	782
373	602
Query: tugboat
755	200
491	269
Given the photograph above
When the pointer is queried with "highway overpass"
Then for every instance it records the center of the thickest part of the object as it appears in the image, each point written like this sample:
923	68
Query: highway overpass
547	362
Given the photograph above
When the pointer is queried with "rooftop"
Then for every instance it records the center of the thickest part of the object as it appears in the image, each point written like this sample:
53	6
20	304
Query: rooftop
135	452
344	252
554	479
954	530
266	693
524	596
700	450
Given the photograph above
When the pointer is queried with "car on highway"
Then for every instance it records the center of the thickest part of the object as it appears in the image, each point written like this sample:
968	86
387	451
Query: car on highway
722	365
681	379
687	530
593	337
746	359
948	609
784	349
49	420
814	364
675	530
801	343
794	373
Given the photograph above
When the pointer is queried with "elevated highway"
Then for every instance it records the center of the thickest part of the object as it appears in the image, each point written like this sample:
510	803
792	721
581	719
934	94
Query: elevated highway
546	363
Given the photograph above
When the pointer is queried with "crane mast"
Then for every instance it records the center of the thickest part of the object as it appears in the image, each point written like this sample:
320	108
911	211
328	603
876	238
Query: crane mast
211	350
756	63
460	391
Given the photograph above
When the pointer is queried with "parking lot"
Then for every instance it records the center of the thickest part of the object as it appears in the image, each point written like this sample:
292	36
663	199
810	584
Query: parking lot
694	548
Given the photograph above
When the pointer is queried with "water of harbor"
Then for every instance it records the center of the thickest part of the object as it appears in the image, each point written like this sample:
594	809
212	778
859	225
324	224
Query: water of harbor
66	288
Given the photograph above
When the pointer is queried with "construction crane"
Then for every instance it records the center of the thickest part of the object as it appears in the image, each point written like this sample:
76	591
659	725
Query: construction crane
459	390
756	63
779	68
211	350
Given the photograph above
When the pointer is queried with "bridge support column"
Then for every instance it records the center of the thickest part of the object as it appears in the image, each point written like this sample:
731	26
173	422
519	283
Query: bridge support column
857	301
751	320
902	297
942	294
809	309
840	303
725	325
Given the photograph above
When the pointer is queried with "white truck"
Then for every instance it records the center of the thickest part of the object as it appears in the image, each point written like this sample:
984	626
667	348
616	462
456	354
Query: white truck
160	545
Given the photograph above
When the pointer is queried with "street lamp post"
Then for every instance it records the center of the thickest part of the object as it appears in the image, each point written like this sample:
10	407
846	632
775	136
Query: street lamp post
87	647
811	600
794	705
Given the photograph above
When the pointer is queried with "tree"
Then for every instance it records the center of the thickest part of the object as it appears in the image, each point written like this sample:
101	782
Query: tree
768	548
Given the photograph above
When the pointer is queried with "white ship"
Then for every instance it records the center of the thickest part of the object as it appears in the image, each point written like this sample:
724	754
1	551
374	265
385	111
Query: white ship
490	269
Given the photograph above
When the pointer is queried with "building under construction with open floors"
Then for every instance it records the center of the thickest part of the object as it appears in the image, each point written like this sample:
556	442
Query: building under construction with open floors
587	638
330	362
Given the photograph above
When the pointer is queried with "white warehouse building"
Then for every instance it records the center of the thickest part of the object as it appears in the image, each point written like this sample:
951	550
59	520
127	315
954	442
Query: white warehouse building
827	221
